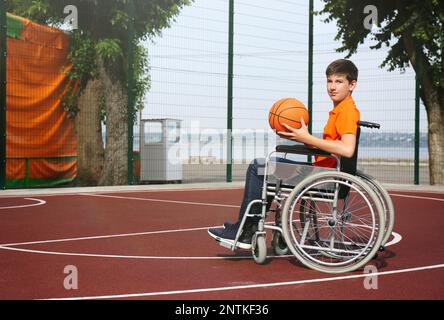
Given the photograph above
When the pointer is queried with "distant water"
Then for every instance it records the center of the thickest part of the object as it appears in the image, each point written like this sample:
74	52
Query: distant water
246	150
389	153
392	153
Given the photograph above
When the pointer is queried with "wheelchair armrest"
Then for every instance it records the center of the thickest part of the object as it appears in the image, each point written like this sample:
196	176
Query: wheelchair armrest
302	149
370	125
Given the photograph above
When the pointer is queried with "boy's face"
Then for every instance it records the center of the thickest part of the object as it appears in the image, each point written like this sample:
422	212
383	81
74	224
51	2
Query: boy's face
339	88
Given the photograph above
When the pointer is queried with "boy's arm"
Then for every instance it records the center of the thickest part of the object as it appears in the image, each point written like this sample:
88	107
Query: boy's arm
344	147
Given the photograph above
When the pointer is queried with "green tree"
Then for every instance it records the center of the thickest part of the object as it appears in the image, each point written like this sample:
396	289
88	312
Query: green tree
100	48
413	31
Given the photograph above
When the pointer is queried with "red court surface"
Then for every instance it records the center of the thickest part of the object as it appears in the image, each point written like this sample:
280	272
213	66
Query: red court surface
154	245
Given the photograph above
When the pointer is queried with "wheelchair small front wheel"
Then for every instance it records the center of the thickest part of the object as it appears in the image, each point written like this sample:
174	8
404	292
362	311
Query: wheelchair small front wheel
278	243
259	248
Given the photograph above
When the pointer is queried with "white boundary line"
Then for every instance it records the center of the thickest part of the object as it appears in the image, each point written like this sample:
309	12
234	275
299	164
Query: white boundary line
162	188
95	255
397	238
119	190
223	205
253	286
102	237
7	247
415	197
162	200
96	194
230	206
39	203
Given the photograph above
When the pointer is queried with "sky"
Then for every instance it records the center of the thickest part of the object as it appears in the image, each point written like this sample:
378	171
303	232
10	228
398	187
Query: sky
189	65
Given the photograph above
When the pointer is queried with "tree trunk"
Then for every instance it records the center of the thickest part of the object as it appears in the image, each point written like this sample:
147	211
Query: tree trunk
433	99
89	135
435	117
115	169
434	104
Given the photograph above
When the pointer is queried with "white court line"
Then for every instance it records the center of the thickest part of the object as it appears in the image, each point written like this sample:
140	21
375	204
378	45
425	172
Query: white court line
95	255
228	206
6	247
161	200
79	191
102	237
415	197
396	238
254	286
39	203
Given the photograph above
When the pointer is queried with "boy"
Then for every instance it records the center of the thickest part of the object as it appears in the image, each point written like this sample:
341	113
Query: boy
339	138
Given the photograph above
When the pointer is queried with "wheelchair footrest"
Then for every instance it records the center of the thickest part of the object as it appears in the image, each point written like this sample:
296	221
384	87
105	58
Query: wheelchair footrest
226	244
230	244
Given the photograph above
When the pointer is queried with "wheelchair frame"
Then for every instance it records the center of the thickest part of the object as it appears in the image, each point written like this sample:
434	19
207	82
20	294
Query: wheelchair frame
339	251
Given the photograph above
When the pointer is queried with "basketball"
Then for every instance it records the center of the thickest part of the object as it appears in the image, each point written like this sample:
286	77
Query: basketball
288	111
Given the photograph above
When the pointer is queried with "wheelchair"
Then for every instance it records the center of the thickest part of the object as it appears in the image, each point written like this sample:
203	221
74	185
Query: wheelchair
333	220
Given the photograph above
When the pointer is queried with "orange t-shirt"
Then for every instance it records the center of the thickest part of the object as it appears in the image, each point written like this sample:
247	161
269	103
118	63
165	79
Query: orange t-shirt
342	119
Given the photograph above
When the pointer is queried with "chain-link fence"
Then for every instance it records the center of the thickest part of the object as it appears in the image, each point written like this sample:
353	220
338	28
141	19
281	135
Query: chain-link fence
199	86
387	98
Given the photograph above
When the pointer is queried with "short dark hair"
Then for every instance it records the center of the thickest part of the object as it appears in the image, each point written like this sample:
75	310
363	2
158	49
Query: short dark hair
345	67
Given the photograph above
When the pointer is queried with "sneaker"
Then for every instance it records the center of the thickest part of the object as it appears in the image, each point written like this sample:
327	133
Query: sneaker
228	236
230	225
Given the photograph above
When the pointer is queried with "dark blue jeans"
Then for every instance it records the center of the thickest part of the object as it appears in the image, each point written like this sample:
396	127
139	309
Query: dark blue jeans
253	186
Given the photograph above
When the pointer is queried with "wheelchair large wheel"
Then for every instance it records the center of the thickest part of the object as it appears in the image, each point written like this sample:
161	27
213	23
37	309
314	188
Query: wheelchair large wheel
332	222
389	211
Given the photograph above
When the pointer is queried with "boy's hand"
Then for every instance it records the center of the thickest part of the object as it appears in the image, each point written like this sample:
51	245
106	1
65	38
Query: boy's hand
300	135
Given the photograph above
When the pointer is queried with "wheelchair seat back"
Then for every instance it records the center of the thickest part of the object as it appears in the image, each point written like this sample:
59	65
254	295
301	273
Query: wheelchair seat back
348	165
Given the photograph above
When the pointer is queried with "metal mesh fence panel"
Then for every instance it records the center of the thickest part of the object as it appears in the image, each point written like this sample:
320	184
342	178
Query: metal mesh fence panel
204	115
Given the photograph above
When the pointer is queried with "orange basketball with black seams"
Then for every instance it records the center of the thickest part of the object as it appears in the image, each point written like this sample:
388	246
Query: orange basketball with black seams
288	111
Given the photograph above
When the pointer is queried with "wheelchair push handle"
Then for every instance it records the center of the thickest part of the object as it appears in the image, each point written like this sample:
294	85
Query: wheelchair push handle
367	124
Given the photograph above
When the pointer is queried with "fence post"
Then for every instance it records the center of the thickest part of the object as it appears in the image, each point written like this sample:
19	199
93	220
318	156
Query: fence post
229	177
3	26
130	91
310	70
417	114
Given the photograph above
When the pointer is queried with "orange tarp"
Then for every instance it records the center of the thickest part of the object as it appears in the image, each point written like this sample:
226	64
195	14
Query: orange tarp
65	169
37	125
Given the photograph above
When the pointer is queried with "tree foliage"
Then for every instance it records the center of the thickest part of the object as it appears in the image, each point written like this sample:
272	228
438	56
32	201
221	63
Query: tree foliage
413	32
423	21
103	32
103	45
